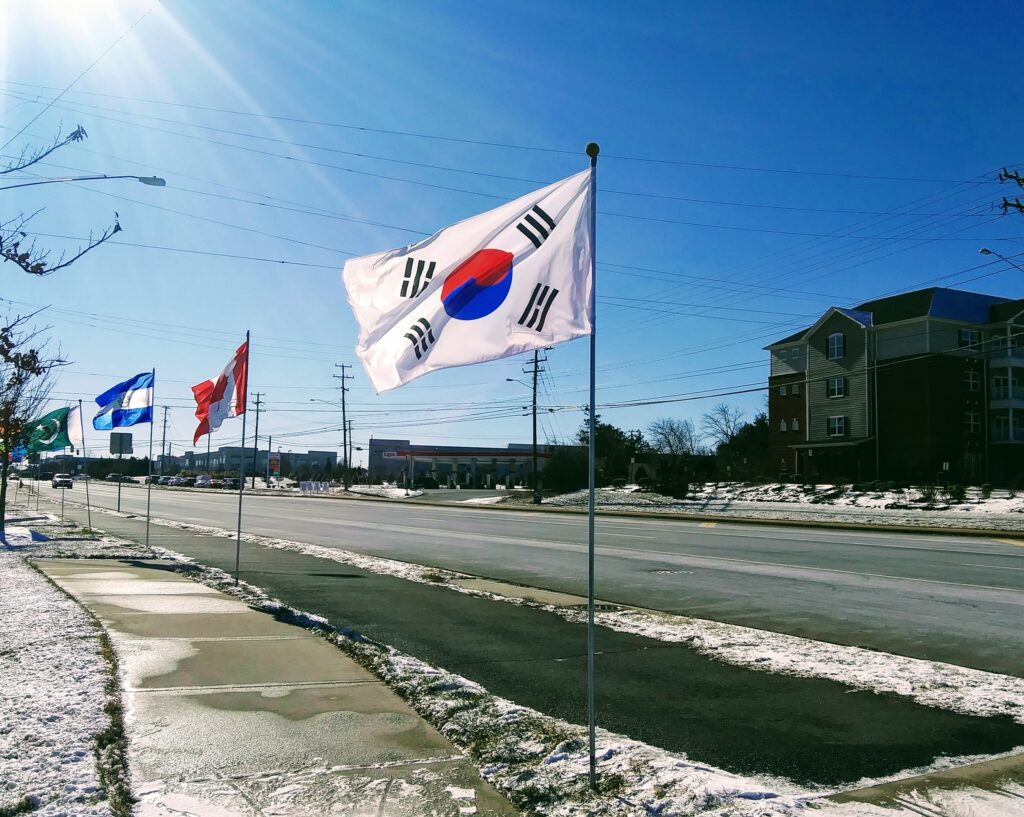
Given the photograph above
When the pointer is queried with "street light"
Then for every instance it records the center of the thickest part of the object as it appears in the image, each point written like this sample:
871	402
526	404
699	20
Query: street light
152	181
987	251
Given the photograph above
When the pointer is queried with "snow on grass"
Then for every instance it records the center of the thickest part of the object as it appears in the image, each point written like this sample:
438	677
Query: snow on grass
51	697
385	491
822	503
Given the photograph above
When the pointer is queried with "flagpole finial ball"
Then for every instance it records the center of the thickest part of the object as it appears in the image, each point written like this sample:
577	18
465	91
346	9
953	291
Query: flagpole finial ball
593	149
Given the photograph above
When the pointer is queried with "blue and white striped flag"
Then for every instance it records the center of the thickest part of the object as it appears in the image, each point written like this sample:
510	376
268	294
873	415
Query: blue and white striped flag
126	404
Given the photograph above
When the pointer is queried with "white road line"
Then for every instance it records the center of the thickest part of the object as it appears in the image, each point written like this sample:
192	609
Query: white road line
996	567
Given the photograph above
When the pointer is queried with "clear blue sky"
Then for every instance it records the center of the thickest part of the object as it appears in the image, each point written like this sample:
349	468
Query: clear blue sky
868	108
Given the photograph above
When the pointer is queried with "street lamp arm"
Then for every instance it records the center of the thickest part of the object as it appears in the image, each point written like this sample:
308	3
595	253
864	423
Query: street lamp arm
987	251
152	181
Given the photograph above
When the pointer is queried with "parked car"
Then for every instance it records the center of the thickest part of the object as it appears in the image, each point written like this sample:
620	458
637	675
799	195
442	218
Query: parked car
231	483
203	481
188	482
216	483
165	480
152	480
113	477
63	481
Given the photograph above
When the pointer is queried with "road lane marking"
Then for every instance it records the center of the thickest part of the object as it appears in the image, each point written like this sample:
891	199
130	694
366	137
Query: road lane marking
626	535
995	567
708	525
1016	542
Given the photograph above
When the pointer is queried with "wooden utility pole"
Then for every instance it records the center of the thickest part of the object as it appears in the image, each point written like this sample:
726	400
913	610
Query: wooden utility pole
344	419
255	440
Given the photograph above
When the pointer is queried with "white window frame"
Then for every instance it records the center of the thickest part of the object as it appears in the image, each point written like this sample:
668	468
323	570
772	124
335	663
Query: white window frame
836	426
795	389
794	353
968	338
782	426
832	393
972	380
836	346
972	422
783	391
795	425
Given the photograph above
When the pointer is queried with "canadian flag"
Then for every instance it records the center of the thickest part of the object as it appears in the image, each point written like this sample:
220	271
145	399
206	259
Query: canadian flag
223	397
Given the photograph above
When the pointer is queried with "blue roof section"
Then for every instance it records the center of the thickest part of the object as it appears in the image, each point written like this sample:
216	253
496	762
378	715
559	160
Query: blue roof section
863	318
958	305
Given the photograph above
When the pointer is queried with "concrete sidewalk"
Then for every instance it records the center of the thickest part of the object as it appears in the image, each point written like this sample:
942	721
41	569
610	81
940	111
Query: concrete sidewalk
231	713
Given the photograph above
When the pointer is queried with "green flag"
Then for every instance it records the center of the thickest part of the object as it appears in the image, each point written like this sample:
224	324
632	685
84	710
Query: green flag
49	432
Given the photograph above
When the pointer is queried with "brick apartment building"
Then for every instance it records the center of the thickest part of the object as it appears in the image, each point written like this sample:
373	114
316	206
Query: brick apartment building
924	386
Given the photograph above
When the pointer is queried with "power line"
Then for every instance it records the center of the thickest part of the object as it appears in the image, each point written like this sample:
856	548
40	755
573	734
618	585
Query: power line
503	145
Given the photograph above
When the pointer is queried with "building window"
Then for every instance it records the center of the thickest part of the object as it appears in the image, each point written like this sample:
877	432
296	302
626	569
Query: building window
1000	387
795	425
836	346
782	391
794	354
972	422
836	387
796	389
836	426
782	426
972	380
970	339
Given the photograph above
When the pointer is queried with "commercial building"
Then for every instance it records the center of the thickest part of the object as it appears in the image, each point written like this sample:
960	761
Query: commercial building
228	458
465	466
924	386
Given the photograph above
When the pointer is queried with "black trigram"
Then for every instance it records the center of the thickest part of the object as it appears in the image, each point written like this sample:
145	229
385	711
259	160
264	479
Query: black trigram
536	225
420	336
417	276
536	311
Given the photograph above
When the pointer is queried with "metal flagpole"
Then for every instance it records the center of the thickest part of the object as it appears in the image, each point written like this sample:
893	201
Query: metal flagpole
241	461
593	149
149	471
85	456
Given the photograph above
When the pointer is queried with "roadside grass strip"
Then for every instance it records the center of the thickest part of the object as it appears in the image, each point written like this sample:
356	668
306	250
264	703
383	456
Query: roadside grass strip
61	738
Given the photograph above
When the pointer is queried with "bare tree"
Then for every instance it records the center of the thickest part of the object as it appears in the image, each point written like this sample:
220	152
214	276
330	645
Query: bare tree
26	366
671	436
16	243
722	424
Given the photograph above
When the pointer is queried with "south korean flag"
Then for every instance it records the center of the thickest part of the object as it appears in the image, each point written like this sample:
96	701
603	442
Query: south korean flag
504	282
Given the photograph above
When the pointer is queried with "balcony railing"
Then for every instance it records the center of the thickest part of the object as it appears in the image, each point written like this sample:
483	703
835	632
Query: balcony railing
1004	435
1006	393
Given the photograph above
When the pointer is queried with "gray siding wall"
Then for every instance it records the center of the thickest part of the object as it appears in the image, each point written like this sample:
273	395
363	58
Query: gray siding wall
852	366
784	363
903	340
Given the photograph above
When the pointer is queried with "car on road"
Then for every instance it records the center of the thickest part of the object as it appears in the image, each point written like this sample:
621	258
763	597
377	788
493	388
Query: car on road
62	481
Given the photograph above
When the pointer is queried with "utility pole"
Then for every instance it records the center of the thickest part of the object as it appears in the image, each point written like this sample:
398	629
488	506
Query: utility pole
351	445
270	442
255	440
535	371
163	443
344	420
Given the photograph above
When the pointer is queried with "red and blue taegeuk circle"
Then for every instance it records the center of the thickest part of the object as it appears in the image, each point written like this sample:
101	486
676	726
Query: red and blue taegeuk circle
478	286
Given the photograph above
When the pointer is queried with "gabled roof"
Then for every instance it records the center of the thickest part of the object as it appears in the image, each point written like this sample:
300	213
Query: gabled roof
789	338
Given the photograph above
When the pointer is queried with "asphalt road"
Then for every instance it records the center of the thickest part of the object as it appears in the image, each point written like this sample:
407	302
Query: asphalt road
954	599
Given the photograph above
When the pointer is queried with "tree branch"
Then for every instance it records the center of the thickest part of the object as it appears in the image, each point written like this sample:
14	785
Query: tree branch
28	159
